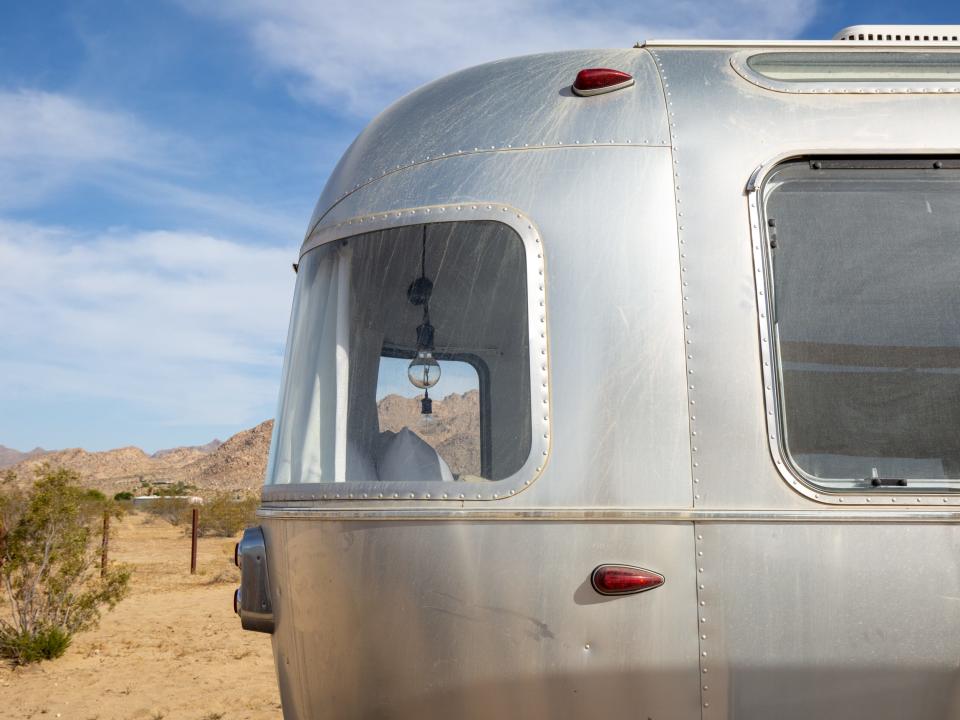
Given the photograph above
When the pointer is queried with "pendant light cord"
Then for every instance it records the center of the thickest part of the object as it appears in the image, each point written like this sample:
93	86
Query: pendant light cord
423	274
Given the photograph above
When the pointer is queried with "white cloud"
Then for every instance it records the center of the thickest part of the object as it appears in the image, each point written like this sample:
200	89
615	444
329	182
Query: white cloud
57	127
188	327
363	54
48	140
51	142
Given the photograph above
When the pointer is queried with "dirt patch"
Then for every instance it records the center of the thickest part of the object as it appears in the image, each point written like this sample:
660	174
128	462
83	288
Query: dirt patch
173	649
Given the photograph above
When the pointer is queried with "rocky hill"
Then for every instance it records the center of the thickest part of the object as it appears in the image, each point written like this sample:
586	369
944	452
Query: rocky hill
240	462
453	430
10	457
203	449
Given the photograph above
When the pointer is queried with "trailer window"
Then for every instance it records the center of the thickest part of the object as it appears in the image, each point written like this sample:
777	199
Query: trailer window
857	67
377	319
865	316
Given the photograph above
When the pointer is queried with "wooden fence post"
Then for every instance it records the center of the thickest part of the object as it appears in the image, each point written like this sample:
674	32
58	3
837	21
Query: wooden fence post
193	541
105	546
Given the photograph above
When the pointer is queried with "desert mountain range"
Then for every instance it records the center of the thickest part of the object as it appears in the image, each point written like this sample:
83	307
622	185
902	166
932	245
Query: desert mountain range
240	462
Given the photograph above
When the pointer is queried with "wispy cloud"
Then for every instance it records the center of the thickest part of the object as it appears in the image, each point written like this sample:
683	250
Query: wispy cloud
42	125
361	55
51	143
48	140
189	327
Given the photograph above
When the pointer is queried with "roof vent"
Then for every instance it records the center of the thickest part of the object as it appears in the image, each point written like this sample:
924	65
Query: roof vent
900	33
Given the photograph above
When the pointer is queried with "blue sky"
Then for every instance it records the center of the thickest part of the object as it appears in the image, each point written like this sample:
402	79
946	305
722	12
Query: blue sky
159	162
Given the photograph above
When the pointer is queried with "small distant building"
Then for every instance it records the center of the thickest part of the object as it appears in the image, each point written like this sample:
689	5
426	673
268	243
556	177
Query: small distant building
142	500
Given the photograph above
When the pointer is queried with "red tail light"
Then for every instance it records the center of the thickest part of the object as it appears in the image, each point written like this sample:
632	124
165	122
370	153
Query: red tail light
624	579
594	81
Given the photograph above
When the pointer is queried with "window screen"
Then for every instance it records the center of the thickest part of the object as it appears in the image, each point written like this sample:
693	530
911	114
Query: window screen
865	290
407	359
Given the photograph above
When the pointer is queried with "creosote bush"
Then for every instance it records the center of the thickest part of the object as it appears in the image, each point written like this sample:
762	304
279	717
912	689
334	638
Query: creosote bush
174	510
49	565
221	515
226	514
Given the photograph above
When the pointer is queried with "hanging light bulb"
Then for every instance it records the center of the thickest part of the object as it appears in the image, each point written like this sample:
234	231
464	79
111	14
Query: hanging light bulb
424	370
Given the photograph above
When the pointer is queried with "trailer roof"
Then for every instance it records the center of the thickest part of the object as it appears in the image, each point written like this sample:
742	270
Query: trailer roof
832	44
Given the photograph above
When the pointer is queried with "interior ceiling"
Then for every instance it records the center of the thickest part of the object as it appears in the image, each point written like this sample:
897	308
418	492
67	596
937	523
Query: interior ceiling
479	284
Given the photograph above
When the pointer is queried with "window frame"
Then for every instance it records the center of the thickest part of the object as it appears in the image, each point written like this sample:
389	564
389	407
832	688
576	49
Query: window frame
740	62
771	372
537	330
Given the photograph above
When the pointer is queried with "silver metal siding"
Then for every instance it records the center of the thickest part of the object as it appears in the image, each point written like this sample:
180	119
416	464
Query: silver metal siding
722	129
797	620
842	621
480	620
513	103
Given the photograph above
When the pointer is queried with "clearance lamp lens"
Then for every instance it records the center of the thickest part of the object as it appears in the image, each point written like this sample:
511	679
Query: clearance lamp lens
624	579
595	81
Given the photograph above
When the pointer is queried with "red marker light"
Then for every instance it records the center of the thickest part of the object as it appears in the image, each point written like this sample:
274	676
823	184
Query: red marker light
594	81
624	579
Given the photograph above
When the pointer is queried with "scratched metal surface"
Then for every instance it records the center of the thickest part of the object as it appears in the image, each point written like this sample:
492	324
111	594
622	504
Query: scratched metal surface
472	620
797	621
514	103
723	128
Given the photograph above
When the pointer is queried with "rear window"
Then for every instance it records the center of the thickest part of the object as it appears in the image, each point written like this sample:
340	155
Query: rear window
408	359
865	313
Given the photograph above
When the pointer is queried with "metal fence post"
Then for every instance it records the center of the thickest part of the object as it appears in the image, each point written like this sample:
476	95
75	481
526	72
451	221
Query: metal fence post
105	545
193	541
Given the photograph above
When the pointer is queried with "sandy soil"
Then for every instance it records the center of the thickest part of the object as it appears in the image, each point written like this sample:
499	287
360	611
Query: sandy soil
173	649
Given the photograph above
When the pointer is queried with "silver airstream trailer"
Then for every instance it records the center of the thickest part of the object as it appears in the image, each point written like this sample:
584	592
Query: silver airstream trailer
632	392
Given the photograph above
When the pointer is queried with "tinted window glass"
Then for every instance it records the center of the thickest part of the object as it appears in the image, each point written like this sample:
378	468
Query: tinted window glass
866	298
408	359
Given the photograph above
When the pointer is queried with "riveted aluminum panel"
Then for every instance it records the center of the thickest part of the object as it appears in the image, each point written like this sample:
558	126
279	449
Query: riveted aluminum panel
617	389
516	103
845	621
475	620
723	128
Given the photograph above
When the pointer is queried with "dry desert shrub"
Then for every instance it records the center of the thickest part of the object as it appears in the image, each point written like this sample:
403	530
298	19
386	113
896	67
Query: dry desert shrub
49	551
225	514
175	510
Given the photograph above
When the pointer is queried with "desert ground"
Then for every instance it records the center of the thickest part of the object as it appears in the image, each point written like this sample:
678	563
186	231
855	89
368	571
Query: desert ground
172	649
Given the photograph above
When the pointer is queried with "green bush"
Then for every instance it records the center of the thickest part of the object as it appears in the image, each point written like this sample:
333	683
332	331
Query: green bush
49	566
122	496
226	514
177	488
95	496
46	643
172	509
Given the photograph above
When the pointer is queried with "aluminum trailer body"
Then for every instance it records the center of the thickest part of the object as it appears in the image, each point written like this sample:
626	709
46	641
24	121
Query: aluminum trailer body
644	399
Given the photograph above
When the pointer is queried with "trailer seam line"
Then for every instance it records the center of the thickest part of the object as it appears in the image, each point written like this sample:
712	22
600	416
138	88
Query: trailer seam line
465	153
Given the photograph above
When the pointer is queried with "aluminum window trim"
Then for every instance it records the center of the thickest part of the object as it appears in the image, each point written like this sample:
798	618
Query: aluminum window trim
739	61
772	391
538	344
